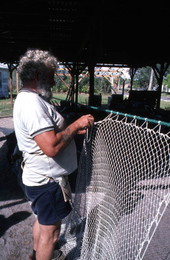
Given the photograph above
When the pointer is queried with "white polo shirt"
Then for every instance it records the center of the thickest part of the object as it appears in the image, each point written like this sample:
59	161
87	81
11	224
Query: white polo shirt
33	115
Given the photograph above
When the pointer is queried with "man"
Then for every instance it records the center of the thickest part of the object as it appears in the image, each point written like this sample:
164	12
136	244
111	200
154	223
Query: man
49	152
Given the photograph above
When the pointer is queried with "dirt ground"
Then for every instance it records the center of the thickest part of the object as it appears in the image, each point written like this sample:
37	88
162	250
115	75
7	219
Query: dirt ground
16	218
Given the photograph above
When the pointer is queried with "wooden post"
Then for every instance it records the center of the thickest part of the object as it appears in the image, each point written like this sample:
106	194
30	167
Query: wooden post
73	84
77	84
74	71
10	83
70	94
159	71
17	82
91	90
11	68
123	89
11	89
132	74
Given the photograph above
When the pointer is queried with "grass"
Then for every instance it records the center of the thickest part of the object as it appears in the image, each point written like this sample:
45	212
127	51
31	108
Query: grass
6	109
165	105
82	98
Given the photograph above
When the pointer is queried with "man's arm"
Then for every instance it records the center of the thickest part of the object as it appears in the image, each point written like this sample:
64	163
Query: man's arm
52	143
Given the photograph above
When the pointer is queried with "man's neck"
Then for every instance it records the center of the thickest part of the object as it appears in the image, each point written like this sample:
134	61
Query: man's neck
30	86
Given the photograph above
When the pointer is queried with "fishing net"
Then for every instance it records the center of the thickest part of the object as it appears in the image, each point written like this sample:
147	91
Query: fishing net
122	191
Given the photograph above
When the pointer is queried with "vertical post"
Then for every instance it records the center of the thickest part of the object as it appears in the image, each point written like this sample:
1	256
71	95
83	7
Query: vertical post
159	71
10	83
70	94
17	82
74	71
11	68
112	85
160	81
132	74
118	84
72	88
91	90
77	83
11	90
123	89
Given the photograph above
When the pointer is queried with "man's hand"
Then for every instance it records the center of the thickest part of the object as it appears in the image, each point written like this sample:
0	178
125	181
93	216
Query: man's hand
84	123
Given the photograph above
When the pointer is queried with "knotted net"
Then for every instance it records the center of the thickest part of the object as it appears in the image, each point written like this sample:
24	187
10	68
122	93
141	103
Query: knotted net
122	191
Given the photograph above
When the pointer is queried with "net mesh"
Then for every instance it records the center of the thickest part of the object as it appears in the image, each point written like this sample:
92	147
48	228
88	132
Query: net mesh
122	191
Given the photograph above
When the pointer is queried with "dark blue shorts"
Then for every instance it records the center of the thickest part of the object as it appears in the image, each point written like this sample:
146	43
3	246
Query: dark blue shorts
48	203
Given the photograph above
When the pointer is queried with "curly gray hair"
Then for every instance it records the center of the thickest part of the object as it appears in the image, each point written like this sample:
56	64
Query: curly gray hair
36	62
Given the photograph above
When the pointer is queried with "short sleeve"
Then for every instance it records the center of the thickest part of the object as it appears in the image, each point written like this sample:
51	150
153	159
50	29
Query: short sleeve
37	118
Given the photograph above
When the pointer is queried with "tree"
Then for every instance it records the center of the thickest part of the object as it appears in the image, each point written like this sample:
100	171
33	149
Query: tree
142	78
166	81
101	85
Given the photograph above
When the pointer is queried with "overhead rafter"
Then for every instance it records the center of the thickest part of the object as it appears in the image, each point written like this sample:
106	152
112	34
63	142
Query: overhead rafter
85	31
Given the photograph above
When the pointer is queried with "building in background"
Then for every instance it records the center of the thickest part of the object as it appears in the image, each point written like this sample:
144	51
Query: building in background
4	76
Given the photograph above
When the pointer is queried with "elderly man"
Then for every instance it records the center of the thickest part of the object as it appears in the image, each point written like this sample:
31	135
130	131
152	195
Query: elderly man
49	152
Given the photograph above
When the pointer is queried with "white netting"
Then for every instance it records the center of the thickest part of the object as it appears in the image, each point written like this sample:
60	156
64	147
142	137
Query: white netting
122	191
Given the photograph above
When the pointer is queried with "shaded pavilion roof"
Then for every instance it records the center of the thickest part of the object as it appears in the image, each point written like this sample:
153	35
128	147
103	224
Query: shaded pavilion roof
132	33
